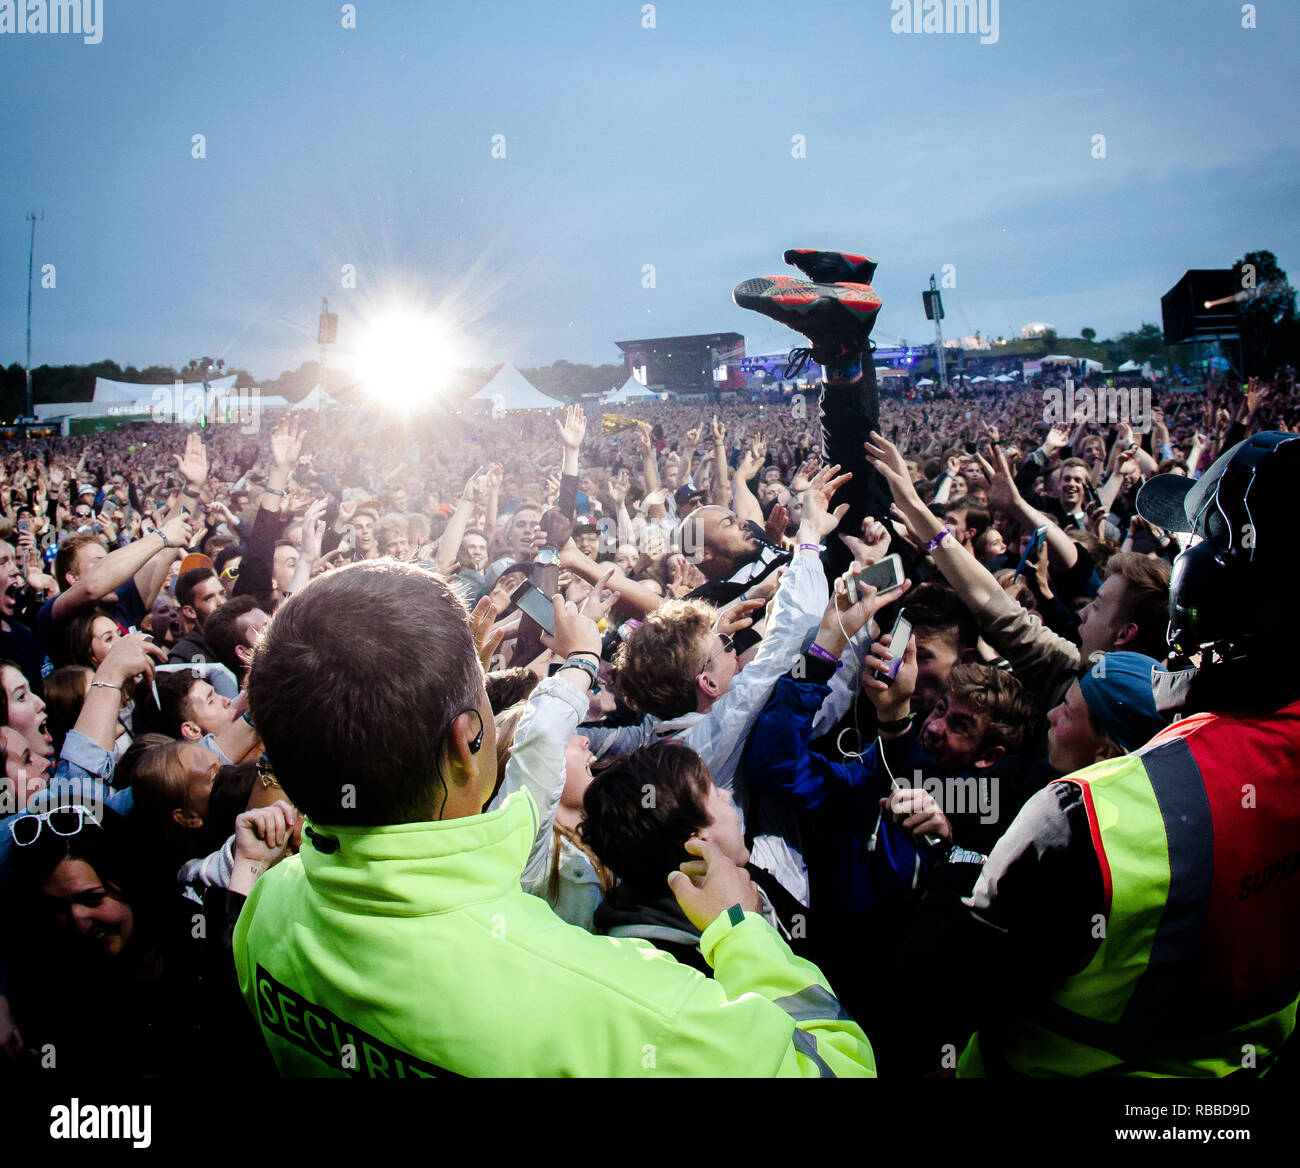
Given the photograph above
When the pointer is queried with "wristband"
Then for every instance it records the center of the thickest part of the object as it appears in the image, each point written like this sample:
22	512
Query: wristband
107	685
895	726
166	542
812	547
931	545
273	491
817	651
588	667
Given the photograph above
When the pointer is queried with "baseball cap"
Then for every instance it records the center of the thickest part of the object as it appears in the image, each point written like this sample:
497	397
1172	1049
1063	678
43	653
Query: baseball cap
1120	694
685	493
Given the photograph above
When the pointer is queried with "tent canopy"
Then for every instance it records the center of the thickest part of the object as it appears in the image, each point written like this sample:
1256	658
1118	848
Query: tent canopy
631	390
132	392
312	401
1129	367
511	390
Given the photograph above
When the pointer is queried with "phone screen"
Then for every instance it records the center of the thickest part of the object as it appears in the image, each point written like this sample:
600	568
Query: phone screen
898	647
534	603
882	576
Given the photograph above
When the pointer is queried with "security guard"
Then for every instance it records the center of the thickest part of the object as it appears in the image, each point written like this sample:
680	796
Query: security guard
1147	908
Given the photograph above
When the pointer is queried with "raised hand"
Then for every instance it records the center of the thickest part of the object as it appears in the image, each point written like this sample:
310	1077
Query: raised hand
778	519
193	464
286	443
817	516
719	431
1058	438
804	475
573	429
486	640
874	544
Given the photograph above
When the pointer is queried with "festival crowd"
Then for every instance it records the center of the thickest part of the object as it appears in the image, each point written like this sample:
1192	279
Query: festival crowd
553	744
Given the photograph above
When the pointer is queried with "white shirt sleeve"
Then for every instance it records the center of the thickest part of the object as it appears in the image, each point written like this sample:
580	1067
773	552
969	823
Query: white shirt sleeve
537	763
719	737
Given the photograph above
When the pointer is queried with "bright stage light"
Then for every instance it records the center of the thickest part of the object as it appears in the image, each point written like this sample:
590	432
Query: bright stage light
407	358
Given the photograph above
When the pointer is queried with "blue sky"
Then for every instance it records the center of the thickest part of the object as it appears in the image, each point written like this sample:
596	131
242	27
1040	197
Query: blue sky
625	146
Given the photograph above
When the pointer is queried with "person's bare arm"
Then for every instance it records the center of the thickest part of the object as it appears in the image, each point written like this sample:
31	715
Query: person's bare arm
495	477
637	595
454	533
130	656
721	481
1062	551
971	580
744	503
116	568
649	468
193	466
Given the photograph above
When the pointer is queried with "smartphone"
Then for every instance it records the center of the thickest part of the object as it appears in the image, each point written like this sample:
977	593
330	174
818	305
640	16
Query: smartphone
1031	552
898	646
533	602
883	576
110	507
24	525
1090	493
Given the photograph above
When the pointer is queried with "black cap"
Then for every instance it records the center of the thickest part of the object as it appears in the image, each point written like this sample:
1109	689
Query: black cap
685	493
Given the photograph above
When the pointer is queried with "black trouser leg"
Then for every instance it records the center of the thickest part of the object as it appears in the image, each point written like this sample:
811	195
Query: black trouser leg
849	413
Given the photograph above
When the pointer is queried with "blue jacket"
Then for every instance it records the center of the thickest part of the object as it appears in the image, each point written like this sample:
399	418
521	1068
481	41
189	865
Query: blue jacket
874	863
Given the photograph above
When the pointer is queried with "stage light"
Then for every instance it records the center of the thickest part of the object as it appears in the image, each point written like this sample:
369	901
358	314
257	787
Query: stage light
406	358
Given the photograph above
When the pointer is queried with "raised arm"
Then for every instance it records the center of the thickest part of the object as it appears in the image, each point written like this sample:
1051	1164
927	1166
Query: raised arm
743	501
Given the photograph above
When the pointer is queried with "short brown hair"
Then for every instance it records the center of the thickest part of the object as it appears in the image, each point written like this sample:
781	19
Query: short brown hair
642	840
995	692
338	704
1145	602
657	665
67	556
222	632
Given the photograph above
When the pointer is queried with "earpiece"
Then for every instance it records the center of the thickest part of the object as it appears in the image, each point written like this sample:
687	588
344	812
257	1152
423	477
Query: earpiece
476	743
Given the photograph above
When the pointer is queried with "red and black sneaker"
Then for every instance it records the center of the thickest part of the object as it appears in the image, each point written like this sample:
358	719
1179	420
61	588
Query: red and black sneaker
836	318
831	267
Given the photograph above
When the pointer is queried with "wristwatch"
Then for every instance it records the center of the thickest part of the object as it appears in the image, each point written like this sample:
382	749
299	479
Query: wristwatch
548	556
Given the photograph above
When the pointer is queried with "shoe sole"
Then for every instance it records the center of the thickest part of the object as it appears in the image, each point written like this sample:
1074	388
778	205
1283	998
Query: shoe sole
778	296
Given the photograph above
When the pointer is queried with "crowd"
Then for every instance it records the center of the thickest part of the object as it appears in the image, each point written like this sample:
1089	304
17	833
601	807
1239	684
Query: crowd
293	780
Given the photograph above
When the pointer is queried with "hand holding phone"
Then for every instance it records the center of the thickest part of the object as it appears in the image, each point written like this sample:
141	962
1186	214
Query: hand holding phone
898	639
883	576
534	603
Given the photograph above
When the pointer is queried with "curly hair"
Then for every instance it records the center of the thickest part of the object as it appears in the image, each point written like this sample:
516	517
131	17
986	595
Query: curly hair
656	667
1012	716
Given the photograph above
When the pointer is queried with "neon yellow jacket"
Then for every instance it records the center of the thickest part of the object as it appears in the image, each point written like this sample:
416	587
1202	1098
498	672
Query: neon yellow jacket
412	951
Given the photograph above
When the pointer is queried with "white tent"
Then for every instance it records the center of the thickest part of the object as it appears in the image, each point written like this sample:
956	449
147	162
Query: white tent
312	401
973	380
511	390
139	399
925	381
632	390
132	392
1058	359
1128	367
1003	378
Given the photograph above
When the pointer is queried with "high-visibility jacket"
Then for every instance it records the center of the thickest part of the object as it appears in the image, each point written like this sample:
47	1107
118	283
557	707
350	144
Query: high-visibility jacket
1196	965
411	950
